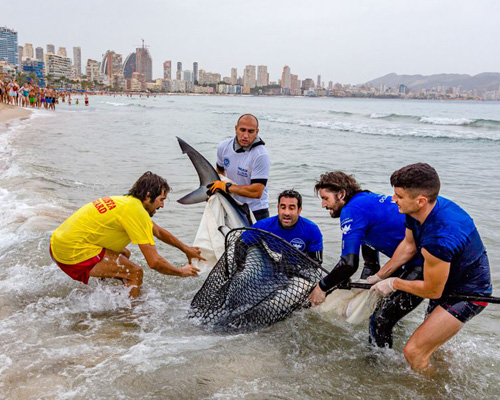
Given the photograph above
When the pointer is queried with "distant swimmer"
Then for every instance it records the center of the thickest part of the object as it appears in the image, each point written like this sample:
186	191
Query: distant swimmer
86	100
76	102
244	160
92	242
371	222
455	261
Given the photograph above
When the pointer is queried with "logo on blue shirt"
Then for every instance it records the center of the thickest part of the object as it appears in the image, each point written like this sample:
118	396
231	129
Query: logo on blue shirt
345	229
298	243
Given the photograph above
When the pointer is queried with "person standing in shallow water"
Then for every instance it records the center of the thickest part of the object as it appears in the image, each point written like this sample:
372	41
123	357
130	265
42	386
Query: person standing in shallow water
371	223
455	261
244	160
92	242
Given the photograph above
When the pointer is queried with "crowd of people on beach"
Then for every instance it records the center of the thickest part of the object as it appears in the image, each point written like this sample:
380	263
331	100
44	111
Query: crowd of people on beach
30	95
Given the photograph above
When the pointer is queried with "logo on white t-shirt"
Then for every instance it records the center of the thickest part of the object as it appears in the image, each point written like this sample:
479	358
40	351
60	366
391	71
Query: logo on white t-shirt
226	163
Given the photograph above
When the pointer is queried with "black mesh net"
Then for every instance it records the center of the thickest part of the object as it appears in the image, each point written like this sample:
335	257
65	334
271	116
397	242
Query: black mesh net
260	279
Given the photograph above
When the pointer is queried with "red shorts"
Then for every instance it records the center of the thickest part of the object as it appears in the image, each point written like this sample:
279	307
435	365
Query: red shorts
81	271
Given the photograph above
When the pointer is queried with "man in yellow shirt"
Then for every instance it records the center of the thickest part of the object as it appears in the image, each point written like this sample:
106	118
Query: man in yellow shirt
92	242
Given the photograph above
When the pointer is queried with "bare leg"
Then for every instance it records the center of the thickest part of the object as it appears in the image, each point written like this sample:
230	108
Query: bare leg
437	329
118	266
125	252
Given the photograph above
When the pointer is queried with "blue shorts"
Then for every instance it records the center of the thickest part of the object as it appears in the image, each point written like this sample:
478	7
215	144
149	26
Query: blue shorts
461	309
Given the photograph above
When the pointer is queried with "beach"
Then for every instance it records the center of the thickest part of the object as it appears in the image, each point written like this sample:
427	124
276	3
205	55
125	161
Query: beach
61	339
8	112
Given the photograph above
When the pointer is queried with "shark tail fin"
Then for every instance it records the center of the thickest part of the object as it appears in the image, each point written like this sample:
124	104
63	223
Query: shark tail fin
206	173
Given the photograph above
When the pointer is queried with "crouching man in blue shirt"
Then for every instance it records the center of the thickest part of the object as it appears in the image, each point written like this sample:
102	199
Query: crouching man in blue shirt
455	261
300	232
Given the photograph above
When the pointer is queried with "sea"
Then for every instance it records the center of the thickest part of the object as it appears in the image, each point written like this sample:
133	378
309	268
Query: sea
61	339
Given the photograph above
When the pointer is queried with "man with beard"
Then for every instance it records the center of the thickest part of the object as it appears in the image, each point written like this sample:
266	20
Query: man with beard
373	222
92	242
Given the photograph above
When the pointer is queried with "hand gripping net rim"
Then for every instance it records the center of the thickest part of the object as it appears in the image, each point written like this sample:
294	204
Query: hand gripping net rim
259	280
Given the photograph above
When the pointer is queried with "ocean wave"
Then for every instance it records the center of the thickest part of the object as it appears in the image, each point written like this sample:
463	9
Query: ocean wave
392	116
340	113
446	121
344	126
110	103
478	123
225	112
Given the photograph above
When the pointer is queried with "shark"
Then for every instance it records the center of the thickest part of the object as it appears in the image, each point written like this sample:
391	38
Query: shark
254	293
237	215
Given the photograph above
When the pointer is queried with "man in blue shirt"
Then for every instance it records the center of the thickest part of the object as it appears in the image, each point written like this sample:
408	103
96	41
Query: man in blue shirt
455	260
371	222
300	232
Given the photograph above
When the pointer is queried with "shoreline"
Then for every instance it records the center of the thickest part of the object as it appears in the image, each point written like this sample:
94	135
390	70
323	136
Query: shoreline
9	113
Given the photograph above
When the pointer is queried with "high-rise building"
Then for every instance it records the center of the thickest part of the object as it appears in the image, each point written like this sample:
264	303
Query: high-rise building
188	75
28	51
61	51
308	84
318	82
51	48
39	53
234	76
195	73
20	54
57	66
286	77
36	69
111	64
167	69
178	74
8	46
294	83
262	76
249	80
144	63
77	60
129	66
92	70
209	78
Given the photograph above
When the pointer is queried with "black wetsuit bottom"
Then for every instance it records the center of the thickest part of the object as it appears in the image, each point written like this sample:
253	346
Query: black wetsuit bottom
261	214
393	308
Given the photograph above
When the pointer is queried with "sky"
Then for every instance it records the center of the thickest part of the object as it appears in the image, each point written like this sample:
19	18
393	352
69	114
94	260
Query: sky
345	41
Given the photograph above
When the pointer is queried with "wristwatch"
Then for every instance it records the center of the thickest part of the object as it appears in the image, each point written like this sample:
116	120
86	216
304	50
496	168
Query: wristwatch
228	185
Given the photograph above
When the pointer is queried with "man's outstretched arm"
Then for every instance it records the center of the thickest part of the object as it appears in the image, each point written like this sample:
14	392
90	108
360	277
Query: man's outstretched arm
168	238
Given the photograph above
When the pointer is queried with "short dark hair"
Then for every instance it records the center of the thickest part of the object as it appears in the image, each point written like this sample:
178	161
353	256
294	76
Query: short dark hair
149	185
248	115
336	181
419	178
291	194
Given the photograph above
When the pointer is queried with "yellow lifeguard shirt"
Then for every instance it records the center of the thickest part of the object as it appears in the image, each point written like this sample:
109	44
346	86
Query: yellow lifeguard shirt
108	222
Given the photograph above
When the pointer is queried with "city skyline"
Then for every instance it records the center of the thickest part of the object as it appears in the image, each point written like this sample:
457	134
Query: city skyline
313	39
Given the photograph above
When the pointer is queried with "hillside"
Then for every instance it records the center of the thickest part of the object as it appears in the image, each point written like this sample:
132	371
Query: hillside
485	81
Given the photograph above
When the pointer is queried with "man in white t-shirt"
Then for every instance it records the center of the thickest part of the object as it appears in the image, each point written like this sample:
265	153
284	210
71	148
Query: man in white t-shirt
245	161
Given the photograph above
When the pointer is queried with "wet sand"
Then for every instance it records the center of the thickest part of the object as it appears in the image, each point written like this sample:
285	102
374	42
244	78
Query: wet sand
8	113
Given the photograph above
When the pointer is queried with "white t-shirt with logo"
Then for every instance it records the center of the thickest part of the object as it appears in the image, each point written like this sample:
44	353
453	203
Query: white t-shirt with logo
244	167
